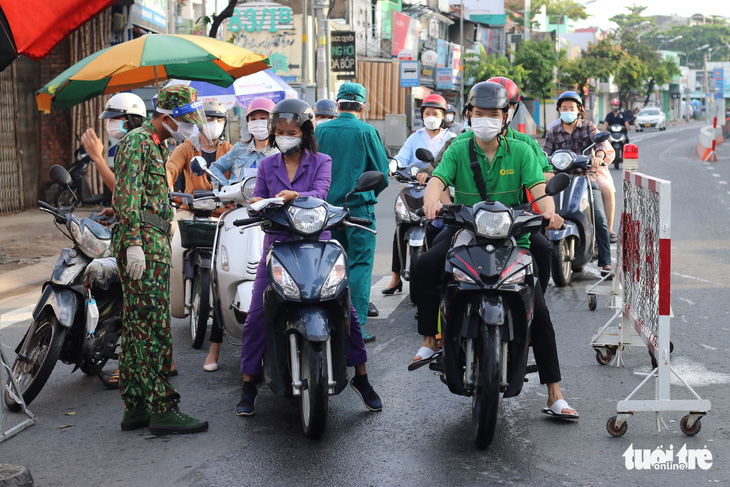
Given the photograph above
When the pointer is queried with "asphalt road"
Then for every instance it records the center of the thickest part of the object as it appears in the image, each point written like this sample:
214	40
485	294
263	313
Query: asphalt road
422	437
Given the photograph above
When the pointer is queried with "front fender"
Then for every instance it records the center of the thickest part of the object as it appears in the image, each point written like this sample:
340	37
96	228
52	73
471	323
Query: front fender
571	229
416	236
62	301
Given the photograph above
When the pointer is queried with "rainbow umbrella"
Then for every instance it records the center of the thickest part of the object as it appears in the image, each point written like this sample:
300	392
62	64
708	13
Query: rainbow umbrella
147	60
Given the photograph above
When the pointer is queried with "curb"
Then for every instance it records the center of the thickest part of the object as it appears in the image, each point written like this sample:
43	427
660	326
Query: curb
35	274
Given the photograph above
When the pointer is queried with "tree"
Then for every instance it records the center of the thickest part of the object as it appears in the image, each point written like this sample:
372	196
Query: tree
481	67
516	11
694	36
217	20
538	60
599	61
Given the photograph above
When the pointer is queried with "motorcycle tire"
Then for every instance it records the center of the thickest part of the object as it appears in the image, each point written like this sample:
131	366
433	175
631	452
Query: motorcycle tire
561	265
32	375
200	309
313	366
65	199
485	401
415	255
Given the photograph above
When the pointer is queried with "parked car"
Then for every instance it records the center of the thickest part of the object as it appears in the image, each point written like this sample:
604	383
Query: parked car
651	117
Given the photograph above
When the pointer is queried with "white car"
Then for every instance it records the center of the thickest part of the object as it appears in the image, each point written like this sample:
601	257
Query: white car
650	117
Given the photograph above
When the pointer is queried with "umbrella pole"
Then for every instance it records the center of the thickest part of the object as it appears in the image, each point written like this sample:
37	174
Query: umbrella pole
157	82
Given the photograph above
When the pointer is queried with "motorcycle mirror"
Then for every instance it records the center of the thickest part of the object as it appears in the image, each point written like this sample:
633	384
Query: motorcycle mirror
424	155
387	152
602	137
557	184
198	165
60	175
368	181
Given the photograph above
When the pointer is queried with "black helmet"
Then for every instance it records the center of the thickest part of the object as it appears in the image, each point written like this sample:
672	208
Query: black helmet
326	108
292	109
488	94
214	108
570	95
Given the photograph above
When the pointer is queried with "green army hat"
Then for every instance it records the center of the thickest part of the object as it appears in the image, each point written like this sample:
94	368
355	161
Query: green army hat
181	102
351	91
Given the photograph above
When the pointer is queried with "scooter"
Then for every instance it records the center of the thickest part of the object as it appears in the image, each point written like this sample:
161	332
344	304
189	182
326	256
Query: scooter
574	245
307	303
236	254
78	317
487	305
617	139
80	188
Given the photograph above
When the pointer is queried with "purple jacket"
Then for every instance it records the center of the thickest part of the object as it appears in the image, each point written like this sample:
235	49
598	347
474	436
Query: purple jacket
313	178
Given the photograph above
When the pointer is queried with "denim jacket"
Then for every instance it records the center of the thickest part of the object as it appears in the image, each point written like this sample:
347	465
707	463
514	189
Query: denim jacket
237	159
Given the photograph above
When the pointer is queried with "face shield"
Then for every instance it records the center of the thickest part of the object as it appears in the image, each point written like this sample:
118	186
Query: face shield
187	115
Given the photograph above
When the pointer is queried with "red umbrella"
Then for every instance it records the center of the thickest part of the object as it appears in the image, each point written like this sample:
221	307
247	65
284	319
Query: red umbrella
34	27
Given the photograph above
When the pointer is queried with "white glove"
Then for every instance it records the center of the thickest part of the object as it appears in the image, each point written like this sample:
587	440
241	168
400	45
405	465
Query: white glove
135	261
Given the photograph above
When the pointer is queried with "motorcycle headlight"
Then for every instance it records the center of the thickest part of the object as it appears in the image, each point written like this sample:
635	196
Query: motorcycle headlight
307	220
334	278
284	279
516	278
562	161
462	276
492	224
93	239
403	211
247	188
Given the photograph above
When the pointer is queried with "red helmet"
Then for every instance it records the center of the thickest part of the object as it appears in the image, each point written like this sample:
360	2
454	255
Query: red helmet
435	101
512	90
259	104
615	102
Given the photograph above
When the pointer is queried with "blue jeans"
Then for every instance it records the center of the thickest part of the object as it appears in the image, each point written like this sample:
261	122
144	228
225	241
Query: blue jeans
603	238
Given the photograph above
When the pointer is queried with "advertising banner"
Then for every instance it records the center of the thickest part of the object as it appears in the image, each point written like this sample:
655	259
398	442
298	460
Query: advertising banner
719	75
343	54
405	33
444	78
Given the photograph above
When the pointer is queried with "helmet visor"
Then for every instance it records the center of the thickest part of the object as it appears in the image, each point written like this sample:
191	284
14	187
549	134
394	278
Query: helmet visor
285	121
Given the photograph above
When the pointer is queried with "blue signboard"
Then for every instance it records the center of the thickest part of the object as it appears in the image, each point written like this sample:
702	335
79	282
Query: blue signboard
409	74
719	75
444	79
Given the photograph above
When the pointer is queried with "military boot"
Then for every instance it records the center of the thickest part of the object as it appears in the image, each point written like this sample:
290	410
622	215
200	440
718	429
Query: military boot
174	421
136	418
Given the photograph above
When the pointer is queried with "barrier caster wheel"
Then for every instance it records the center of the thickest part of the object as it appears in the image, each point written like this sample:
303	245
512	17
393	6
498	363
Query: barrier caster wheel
603	359
687	430
615	431
592	302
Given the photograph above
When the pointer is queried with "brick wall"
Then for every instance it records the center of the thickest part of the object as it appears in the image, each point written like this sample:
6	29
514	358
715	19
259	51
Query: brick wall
57	143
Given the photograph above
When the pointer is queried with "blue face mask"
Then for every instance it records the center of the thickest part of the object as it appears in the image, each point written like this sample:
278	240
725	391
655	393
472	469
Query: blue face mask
568	117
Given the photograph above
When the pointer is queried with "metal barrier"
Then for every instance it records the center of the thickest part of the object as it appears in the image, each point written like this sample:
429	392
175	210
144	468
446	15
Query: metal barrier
11	388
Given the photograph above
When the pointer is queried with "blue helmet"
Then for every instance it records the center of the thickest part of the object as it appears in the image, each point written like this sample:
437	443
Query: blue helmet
570	95
327	108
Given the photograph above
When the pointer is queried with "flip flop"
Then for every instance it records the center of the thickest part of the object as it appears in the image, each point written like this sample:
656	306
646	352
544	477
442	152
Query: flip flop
427	355
556	410
113	381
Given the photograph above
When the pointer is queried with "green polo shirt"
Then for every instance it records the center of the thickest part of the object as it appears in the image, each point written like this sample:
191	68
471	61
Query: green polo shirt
513	168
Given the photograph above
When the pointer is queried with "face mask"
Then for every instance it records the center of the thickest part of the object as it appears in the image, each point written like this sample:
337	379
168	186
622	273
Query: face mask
288	145
449	118
432	123
323	120
215	129
259	129
568	117
615	109
486	128
115	128
510	114
184	131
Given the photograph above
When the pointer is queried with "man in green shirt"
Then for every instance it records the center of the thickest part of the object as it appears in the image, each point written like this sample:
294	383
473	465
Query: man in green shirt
507	167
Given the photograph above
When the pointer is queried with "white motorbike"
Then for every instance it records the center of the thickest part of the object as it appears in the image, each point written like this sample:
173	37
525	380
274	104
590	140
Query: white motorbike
236	253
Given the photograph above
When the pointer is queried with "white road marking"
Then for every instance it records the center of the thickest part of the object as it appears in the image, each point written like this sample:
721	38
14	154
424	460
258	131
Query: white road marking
715	175
707	347
386	304
17	315
695	278
687	300
722	182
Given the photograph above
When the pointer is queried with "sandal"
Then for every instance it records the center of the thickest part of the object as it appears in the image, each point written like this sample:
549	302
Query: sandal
556	410
613	237
427	355
113	381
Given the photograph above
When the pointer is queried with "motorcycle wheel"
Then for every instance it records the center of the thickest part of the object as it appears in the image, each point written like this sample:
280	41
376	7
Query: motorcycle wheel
616	162
200	309
65	199
561	265
313	366
415	255
43	353
485	401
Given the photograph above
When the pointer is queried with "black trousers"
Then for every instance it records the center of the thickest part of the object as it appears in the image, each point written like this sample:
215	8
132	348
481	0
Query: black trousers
216	333
426	289
541	251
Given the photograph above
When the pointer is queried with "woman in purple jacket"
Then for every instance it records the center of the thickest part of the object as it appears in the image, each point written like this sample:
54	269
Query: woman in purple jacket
297	170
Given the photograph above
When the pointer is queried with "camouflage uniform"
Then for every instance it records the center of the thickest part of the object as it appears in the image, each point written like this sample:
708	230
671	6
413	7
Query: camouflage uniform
145	357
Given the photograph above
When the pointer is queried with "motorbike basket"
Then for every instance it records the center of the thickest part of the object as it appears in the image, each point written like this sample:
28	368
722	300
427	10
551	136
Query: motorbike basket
195	234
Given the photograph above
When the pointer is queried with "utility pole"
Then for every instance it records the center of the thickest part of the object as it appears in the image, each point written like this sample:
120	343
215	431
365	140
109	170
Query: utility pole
528	20
461	60
305	61
322	58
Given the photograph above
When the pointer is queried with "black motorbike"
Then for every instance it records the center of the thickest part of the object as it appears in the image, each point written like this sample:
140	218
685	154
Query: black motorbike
307	303
617	139
487	305
79	190
78	317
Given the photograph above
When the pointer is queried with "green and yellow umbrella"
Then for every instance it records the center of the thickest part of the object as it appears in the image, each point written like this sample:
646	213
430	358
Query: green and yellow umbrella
146	60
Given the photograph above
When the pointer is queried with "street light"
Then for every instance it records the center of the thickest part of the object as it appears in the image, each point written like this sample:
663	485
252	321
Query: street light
686	61
713	50
640	24
670	40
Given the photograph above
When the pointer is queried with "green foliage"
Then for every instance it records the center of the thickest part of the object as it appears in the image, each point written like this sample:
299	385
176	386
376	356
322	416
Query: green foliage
515	10
538	59
481	67
695	36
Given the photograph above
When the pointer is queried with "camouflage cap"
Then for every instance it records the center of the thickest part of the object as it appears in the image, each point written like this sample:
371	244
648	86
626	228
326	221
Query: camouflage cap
180	102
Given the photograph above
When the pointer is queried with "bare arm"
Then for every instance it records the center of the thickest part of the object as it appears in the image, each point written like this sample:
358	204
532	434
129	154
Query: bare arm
95	148
546	207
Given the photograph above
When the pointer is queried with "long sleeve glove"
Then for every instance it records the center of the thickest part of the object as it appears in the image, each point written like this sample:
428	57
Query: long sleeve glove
135	261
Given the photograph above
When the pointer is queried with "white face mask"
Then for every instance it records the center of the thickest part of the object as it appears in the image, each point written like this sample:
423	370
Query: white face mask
449	117
288	145
259	129
215	129
510	114
432	123
115	128
184	130
486	128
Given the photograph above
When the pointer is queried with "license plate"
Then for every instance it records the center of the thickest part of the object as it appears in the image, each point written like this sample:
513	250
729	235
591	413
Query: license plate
647	125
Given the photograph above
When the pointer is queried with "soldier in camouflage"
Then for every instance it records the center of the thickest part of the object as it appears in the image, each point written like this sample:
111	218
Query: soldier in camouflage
142	246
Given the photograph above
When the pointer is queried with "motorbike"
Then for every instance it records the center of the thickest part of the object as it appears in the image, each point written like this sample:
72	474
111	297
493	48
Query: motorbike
79	188
307	303
236	254
574	245
487	305
78	318
617	139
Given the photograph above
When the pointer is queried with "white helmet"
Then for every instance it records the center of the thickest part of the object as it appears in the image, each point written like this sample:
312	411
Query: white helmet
124	104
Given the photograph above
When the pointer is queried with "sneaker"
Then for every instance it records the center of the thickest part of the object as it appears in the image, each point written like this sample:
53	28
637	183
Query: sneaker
247	404
136	418
174	421
367	337
369	397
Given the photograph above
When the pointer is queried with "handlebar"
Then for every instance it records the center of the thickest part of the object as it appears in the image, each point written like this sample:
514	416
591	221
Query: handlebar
245	221
48	207
361	221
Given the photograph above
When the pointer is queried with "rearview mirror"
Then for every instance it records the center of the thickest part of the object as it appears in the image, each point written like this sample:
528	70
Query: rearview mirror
557	184
387	152
60	175
368	181
424	155
602	137
198	165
